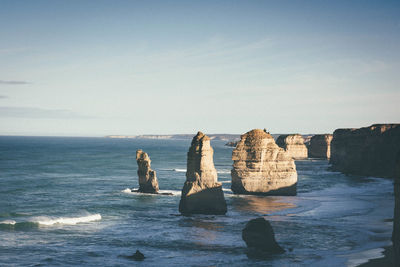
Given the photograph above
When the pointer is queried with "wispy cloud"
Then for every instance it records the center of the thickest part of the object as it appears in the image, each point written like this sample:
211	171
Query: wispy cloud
13	82
40	113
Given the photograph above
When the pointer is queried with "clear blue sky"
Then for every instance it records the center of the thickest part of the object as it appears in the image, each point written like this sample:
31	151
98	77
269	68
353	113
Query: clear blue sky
93	68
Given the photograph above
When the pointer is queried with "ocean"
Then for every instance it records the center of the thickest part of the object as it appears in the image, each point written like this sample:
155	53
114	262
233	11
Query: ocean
66	201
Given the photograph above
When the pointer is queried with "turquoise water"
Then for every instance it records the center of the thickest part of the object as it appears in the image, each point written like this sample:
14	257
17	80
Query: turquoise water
66	201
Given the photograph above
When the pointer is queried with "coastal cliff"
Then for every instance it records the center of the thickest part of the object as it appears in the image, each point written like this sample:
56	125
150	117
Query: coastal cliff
368	151
201	193
293	145
260	166
320	146
147	177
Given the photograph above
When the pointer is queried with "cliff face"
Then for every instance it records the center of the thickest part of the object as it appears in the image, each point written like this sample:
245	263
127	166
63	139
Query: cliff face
201	192
262	167
147	177
396	223
320	146
294	145
369	151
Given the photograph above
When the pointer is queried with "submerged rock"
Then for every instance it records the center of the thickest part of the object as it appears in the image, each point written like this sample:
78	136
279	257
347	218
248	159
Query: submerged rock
368	151
293	144
262	167
147	177
320	146
396	223
259	235
138	256
201	193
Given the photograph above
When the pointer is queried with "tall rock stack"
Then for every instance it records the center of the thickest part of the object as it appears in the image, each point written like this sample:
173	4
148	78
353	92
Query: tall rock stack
260	166
368	151
293	144
396	223
201	193
320	146
147	177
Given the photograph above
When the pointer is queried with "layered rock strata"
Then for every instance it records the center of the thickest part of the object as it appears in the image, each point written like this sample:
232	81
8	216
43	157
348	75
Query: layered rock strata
147	177
368	151
262	167
201	193
293	144
320	146
259	235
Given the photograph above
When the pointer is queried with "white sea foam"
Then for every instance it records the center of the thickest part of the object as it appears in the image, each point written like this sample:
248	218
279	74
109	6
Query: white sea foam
179	170
12	222
68	220
224	171
133	191
225	182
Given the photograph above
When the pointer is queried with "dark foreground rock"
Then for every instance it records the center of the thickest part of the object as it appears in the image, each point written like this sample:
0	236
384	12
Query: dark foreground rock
320	146
201	193
147	177
260	166
368	151
259	236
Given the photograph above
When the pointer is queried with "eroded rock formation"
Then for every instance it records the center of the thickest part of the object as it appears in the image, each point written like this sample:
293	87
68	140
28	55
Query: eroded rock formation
262	167
320	146
368	151
147	177
201	193
293	144
259	235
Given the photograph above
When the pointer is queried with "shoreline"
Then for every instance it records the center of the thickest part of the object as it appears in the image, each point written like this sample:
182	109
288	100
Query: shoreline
385	260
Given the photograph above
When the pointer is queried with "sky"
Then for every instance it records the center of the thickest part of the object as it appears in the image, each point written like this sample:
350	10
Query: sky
95	68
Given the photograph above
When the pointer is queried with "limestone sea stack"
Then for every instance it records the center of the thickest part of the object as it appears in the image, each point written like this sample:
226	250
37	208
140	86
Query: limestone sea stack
320	146
201	193
396	223
260	166
293	144
147	177
368	151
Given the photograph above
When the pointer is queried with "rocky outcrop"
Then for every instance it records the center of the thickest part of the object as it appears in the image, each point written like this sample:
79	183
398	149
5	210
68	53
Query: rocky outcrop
259	235
201	193
262	167
396	223
293	144
320	146
368	151
147	177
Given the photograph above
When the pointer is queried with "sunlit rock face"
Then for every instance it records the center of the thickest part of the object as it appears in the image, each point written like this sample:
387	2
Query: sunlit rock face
201	193
368	151
320	146
147	177
293	145
260	166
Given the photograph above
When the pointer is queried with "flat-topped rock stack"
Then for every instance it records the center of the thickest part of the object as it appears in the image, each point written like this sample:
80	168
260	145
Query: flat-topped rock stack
147	177
293	144
368	151
260	166
201	193
320	146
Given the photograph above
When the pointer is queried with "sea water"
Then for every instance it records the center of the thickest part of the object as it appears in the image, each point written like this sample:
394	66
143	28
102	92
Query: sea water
68	202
